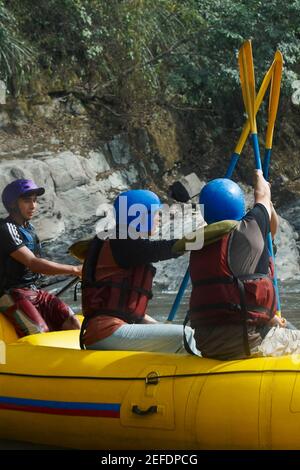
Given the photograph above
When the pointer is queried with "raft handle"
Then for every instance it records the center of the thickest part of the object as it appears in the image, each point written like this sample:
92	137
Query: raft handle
152	378
150	411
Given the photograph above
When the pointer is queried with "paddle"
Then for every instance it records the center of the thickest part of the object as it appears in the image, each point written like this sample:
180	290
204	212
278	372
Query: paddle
67	286
58	281
189	186
234	159
246	129
78	251
272	112
248	91
54	280
179	295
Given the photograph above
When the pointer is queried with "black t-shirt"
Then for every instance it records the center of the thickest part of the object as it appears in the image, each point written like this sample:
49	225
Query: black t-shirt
129	253
248	247
13	273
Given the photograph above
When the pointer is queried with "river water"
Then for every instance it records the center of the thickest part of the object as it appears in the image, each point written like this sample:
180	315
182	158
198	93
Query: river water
160	305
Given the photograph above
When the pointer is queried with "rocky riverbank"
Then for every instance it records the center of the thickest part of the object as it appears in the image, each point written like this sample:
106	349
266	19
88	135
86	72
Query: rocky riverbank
84	156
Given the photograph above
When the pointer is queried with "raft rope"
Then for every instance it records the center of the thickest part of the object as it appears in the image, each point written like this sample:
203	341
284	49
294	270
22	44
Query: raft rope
152	377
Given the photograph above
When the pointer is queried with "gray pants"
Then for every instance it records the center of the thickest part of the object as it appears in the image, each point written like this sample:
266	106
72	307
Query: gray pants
156	337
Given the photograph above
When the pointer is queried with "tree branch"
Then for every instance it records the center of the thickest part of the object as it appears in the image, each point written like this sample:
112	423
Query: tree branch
130	70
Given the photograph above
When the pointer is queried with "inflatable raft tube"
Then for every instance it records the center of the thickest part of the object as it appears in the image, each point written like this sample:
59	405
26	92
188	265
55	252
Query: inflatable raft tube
53	393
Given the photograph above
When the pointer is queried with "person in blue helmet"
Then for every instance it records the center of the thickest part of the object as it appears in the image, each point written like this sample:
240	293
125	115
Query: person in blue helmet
233	303
30	309
117	283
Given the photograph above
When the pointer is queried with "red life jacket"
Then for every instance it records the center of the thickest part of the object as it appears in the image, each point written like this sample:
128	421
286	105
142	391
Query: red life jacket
108	289
218	297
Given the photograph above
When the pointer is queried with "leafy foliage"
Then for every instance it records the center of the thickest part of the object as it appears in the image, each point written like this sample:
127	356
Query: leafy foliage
16	57
177	52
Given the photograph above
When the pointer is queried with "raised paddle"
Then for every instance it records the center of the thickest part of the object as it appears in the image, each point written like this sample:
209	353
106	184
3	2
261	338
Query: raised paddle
248	91
234	159
272	113
272	110
189	186
246	129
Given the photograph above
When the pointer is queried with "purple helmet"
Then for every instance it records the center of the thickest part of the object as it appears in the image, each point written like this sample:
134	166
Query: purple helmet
19	188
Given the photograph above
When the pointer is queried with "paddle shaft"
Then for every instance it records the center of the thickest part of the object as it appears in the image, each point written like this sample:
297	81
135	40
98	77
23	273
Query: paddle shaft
273	107
248	90
53	281
267	160
179	295
266	164
67	286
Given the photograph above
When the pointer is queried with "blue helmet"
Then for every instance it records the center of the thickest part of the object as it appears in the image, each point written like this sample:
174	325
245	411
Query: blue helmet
139	205
223	200
18	188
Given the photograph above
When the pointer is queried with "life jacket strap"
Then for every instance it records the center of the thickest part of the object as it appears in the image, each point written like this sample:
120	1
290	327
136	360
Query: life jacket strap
222	305
120	285
232	307
214	280
229	279
244	313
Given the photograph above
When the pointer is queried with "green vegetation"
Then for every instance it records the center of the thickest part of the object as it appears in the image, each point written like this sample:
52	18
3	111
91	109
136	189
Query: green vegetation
16	58
137	53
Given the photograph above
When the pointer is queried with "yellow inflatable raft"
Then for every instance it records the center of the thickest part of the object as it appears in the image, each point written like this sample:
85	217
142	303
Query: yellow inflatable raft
53	393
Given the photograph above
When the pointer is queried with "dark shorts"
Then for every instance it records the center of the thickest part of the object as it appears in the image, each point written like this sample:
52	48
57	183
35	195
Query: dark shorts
225	342
36	311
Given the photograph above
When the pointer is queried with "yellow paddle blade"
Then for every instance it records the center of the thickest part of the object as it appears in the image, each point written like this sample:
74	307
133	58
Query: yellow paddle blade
274	98
248	82
79	249
260	96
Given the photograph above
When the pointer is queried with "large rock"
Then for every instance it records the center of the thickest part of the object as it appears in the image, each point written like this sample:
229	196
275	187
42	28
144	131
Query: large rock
120	149
95	164
76	186
66	171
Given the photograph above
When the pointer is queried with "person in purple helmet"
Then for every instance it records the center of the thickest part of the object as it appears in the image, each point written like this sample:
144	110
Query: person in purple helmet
29	309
